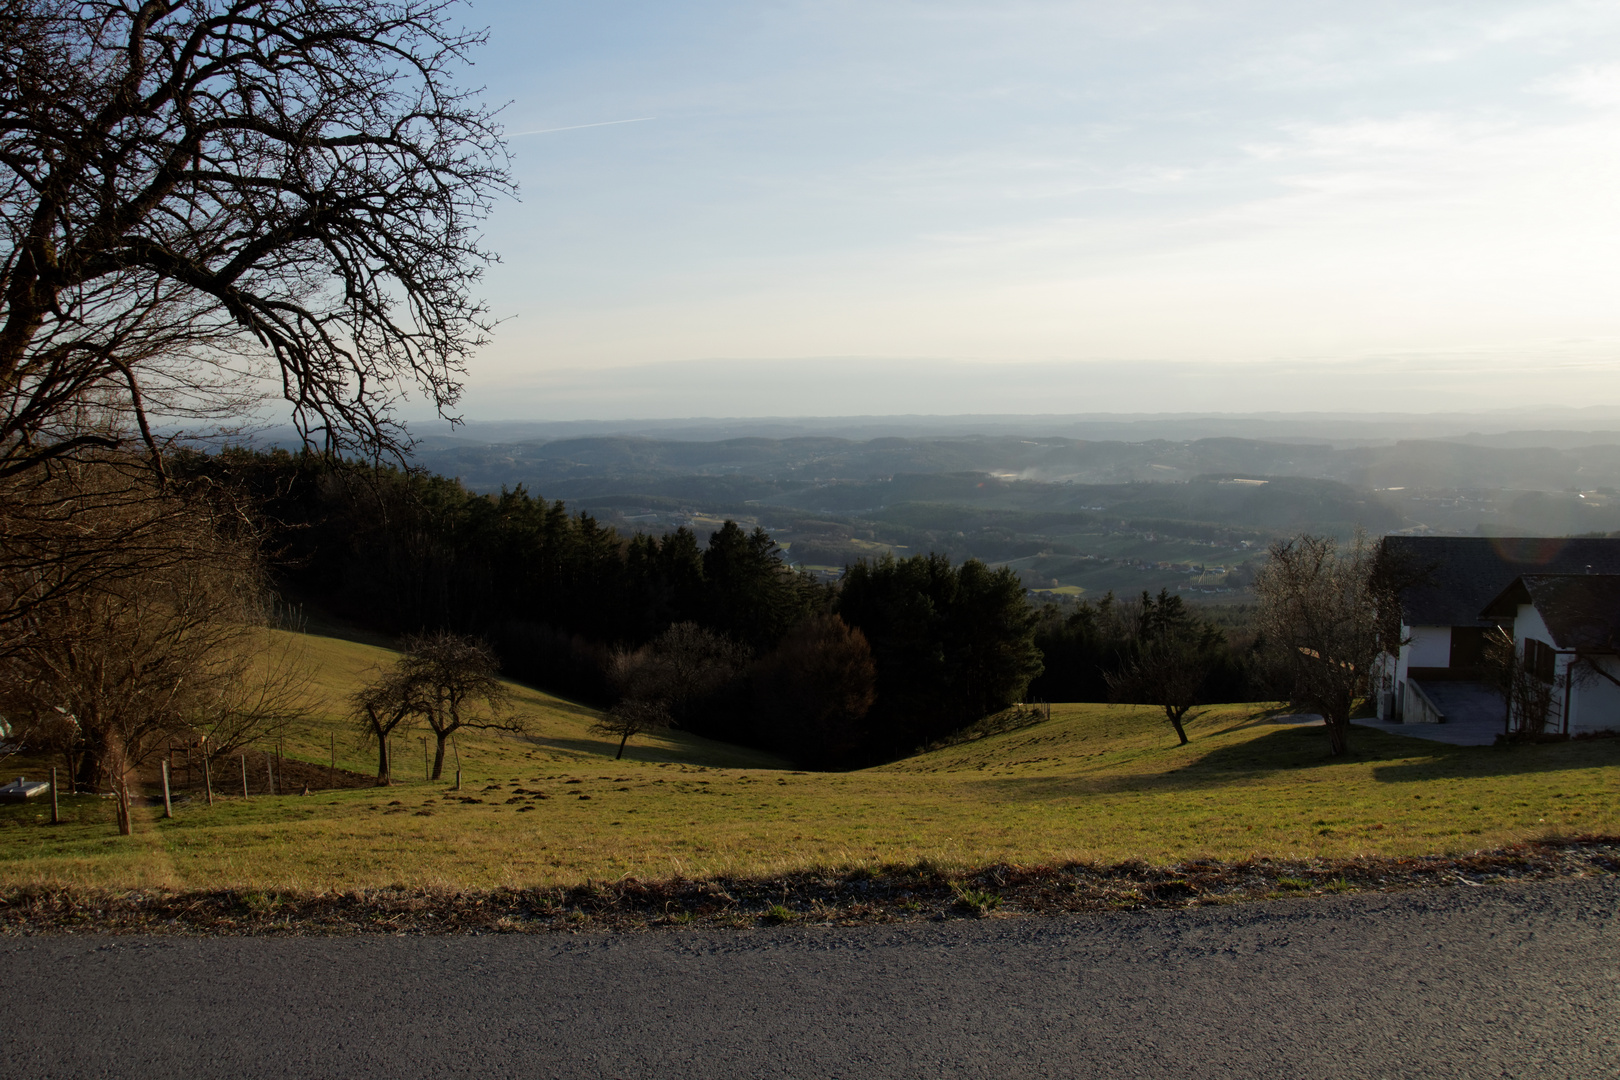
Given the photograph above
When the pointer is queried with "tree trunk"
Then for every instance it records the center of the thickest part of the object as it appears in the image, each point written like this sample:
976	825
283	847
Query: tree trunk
1338	729
88	776
121	795
622	741
438	754
1175	722
384	777
28	308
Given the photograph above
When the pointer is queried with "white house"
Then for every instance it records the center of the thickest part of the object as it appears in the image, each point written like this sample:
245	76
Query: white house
1437	673
1566	631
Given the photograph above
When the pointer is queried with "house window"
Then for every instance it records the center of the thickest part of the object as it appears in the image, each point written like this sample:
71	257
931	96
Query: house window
1539	659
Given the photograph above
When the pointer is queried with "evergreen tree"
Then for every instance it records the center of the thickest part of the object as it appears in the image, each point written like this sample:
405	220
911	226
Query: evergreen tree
951	644
751	593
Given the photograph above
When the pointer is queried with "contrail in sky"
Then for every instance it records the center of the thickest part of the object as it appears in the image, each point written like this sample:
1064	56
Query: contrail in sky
576	127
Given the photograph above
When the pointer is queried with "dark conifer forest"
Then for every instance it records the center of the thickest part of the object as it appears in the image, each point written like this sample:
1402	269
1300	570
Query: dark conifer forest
899	653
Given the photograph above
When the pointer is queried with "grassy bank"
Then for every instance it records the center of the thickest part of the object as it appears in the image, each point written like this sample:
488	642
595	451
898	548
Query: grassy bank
1096	783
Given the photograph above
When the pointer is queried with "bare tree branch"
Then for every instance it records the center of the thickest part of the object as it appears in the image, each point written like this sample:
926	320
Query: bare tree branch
202	199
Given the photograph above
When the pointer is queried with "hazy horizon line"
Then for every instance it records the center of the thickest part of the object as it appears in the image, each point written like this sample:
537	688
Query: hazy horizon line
1168	414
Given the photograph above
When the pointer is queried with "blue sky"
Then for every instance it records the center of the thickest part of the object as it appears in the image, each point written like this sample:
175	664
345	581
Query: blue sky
1161	206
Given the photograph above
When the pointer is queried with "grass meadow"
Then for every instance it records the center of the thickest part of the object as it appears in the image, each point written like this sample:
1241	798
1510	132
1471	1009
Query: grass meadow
1101	783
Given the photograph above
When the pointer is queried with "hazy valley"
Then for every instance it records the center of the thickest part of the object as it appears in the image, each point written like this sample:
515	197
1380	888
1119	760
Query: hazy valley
1070	514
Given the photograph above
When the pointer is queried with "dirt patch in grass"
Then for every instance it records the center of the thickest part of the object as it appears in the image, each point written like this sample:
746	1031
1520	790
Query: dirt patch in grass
888	895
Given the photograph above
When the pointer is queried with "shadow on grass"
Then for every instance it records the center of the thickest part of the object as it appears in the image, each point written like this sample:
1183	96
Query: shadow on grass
1410	757
1293	748
1444	762
595	750
688	750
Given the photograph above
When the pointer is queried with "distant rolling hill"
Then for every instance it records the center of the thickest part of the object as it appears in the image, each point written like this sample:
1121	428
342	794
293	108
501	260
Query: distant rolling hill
591	462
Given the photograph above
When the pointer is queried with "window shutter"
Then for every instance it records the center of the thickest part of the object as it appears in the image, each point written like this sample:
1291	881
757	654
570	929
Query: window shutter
1539	659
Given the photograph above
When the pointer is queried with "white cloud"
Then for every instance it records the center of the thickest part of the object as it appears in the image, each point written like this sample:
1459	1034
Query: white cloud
1590	85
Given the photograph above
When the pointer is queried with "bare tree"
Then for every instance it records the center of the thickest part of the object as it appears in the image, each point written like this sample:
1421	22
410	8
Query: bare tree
458	686
377	708
85	524
1324	615
1171	655
1169	671
203	198
683	666
632	717
660	684
108	673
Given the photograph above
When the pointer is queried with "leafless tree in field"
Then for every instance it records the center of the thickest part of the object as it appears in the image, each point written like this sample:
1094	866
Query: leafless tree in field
1169	671
680	667
632	717
458	686
1171	655
448	682
202	199
107	673
204	203
379	707
1324	613
659	684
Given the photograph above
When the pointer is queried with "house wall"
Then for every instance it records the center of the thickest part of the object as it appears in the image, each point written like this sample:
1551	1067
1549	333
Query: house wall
1595	701
1527	624
1430	647
1394	683
1426	646
1383	686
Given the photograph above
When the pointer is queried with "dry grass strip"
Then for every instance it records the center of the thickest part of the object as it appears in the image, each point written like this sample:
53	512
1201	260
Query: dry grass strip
893	894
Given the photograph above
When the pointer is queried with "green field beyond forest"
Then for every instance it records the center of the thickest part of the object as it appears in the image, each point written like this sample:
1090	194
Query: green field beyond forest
1094	783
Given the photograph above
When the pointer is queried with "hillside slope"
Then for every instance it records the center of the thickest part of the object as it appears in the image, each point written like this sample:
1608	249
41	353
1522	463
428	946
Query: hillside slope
560	729
1095	782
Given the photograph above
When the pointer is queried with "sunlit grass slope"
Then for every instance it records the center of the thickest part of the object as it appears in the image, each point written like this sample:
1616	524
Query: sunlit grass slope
1095	782
560	728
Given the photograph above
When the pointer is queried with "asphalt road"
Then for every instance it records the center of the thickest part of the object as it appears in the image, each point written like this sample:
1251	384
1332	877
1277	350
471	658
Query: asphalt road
1505	980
